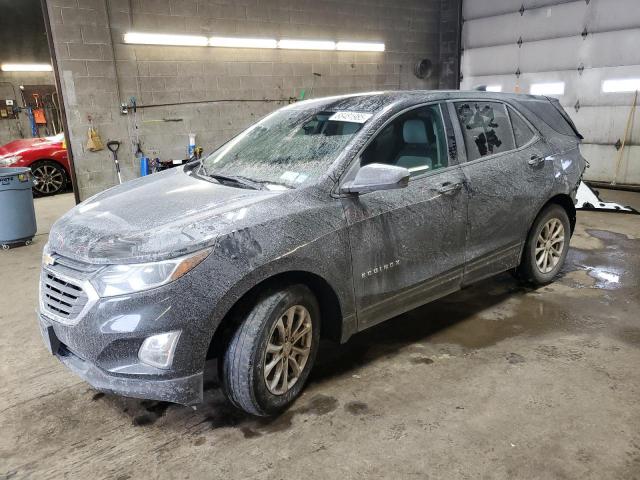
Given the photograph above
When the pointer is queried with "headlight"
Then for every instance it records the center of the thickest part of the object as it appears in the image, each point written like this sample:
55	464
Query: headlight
10	160
122	279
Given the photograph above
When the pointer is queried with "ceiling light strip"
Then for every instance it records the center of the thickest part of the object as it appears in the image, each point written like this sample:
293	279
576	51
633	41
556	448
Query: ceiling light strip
360	46
26	67
243	42
163	39
237	42
290	44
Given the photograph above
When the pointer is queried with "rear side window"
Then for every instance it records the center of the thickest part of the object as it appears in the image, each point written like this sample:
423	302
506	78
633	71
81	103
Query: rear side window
485	127
550	115
521	131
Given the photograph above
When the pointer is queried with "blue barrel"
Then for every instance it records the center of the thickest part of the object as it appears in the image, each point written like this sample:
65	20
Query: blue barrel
17	216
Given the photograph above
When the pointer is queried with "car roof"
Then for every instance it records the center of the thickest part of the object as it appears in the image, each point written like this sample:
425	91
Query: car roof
372	102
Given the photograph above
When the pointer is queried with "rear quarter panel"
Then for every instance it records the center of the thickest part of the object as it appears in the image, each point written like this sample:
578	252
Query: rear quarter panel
568	162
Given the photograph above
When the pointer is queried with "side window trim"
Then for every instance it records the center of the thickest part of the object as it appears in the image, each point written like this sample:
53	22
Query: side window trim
465	160
513	133
450	134
461	148
356	158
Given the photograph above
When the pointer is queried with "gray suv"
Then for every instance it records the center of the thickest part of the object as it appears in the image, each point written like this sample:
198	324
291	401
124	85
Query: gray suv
322	219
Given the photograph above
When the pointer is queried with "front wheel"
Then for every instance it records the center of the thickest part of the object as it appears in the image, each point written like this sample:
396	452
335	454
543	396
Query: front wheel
546	247
270	355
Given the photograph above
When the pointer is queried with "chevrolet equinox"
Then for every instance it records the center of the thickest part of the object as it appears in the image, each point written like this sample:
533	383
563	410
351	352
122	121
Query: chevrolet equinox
322	219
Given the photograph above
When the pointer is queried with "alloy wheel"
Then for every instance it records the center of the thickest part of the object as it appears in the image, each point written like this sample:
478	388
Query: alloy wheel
47	179
288	350
549	245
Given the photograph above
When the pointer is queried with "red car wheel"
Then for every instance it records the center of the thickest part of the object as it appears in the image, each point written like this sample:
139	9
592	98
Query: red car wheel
49	178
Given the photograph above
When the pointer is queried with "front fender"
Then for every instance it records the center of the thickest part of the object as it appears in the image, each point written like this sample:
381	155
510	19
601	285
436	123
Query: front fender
326	258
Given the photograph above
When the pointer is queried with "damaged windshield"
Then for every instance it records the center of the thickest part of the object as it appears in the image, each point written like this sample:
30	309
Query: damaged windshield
286	149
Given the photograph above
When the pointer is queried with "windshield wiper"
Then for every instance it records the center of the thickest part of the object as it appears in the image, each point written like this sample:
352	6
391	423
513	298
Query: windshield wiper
237	179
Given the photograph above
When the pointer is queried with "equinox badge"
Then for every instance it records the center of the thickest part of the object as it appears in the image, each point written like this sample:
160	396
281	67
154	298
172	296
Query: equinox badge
380	269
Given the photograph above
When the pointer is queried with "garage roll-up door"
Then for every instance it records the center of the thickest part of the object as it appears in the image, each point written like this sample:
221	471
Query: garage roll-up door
577	45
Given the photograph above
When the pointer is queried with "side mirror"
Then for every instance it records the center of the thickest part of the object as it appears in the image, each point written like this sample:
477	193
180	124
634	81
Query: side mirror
377	176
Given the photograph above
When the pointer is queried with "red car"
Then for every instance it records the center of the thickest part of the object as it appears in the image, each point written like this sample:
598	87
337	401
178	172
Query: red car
47	158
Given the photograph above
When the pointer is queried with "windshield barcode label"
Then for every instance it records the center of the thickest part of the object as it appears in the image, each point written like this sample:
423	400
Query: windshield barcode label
355	117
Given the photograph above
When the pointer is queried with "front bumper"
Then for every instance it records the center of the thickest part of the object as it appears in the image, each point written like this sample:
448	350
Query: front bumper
186	390
101	343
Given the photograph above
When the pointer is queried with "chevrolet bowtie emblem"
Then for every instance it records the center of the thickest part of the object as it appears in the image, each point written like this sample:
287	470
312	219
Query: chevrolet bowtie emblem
48	259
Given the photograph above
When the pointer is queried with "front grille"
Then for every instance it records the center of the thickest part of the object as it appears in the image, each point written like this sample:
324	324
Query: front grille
62	297
65	292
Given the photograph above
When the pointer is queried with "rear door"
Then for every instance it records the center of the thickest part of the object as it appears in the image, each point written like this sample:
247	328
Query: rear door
407	245
508	172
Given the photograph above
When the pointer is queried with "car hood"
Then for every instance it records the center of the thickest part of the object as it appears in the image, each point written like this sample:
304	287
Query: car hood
19	146
164	215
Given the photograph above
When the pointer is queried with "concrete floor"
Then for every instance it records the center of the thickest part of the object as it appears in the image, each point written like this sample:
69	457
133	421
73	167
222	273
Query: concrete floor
496	381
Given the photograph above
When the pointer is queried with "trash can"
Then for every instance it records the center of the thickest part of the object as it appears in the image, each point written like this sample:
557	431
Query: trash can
17	215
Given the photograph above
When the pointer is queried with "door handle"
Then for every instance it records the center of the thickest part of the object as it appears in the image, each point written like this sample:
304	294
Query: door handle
448	188
535	160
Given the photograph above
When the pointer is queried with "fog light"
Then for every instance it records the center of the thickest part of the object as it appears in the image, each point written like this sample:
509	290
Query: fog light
158	350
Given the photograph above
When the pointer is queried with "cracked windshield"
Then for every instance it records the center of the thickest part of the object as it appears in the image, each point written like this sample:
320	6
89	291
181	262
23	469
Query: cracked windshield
287	149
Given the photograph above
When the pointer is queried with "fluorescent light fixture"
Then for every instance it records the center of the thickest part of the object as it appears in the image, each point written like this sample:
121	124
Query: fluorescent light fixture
162	39
360	46
243	42
494	88
238	42
307	44
621	85
551	88
26	67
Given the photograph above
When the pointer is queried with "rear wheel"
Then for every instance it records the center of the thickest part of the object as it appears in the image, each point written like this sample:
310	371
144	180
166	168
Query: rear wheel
546	247
268	359
49	177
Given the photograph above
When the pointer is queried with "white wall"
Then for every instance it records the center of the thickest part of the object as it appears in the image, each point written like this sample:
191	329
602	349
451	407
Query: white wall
553	49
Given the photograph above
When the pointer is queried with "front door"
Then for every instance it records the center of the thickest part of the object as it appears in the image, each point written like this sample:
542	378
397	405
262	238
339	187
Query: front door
407	245
507	172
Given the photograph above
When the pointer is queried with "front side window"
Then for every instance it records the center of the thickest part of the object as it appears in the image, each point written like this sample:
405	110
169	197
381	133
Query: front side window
415	140
287	149
485	127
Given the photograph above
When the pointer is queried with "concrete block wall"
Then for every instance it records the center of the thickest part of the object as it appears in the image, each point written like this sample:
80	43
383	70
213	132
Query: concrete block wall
14	129
449	68
98	71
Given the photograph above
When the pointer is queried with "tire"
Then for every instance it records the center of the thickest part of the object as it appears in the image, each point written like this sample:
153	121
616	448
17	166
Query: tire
49	178
243	366
551	225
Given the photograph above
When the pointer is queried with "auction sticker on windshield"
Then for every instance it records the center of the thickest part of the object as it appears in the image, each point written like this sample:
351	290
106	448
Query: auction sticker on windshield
355	117
293	177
